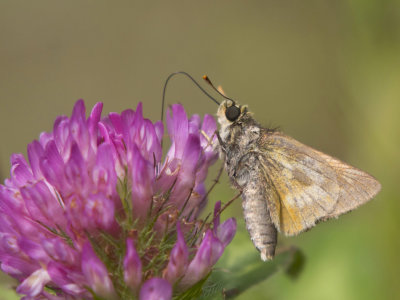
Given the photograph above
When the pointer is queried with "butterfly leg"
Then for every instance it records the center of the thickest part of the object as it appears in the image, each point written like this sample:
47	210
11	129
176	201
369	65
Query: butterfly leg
221	143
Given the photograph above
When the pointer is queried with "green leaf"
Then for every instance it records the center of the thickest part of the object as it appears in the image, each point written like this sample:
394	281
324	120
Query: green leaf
249	271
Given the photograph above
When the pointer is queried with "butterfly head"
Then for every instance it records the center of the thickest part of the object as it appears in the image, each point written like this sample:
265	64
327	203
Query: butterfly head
230	112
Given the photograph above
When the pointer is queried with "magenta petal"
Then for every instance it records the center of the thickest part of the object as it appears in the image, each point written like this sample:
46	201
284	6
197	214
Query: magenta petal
52	167
59	251
21	224
95	114
44	138
99	212
187	172
209	252
34	250
142	174
78	128
103	173
191	154
209	127
198	200
17	267
159	128
33	285
189	163
43	205
226	231
194	124
156	289
127	117
217	250
79	111
9	203
21	174
178	259
201	263
75	170
75	211
96	273
9	243
151	144
132	266
93	122
139	110
178	129
35	153
103	133
127	128
61	133
137	124
116	122
69	280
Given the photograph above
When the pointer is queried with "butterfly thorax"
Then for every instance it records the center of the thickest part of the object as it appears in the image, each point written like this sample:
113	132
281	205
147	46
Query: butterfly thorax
240	140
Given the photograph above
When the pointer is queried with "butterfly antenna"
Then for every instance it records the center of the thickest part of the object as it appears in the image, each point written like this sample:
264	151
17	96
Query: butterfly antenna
205	77
192	79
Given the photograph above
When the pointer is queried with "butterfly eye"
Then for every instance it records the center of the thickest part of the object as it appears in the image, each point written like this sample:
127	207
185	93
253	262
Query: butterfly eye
232	113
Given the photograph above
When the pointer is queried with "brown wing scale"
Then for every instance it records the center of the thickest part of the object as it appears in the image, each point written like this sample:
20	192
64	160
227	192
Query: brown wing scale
305	185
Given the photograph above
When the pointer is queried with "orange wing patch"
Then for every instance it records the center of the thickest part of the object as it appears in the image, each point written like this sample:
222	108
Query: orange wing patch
286	218
305	187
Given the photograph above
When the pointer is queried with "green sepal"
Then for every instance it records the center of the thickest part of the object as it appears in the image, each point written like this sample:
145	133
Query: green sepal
194	292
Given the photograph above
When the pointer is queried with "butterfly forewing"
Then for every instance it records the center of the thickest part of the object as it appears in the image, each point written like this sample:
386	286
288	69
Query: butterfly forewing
356	186
305	185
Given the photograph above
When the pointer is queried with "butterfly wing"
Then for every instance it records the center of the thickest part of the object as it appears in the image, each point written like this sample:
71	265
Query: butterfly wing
305	186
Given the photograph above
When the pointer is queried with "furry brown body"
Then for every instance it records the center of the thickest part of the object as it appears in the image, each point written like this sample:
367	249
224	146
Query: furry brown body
286	186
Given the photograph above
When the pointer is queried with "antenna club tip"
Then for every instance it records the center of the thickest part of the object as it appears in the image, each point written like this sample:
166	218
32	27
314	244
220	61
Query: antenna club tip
205	77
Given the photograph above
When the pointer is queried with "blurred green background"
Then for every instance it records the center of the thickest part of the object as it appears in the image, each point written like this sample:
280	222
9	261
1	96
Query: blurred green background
326	72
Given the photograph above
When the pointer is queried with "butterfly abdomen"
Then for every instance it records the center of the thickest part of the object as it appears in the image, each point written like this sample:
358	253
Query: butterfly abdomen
248	177
258	221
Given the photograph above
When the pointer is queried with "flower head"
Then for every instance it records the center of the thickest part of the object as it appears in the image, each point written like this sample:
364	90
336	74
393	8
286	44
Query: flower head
96	212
